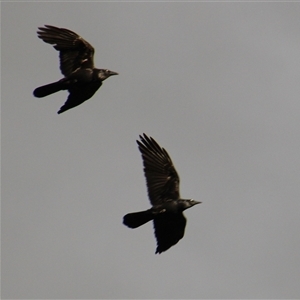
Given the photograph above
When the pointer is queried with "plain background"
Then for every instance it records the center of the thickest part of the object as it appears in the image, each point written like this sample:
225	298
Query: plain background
217	85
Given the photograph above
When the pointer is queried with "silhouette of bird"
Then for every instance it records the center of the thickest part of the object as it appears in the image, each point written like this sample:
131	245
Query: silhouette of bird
163	191
76	55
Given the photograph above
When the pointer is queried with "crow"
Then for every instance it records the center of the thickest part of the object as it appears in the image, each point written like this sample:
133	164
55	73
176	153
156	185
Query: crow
163	190
76	55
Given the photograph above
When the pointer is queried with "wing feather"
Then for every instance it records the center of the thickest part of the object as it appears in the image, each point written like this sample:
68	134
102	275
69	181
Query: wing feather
161	176
74	51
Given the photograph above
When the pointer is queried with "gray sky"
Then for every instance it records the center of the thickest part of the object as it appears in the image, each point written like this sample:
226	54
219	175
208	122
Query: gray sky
217	85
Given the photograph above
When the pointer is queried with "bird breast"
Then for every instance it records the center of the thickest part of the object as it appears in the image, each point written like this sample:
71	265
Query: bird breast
169	206
82	75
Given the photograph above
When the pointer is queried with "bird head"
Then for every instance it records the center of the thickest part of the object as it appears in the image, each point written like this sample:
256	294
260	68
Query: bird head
187	203
105	73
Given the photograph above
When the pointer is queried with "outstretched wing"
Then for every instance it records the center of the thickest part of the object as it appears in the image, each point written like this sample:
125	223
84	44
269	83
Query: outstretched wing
161	177
74	51
169	229
79	94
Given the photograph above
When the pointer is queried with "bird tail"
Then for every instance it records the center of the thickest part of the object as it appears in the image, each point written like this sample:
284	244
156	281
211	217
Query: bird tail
49	89
136	219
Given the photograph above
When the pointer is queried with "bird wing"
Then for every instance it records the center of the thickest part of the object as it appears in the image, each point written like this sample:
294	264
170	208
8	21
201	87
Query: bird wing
74	51
79	94
72	101
161	177
169	229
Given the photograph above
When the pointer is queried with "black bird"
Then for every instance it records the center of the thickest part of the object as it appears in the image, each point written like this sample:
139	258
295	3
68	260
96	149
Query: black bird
76	55
163	191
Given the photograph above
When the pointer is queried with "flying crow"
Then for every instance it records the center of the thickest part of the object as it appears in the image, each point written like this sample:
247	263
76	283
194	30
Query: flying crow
76	55
163	191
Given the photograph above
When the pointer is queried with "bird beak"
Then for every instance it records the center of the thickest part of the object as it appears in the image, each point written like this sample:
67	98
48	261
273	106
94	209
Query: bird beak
113	73
197	202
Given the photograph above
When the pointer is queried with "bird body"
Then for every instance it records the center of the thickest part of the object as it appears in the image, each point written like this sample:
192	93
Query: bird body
163	189
170	207
82	79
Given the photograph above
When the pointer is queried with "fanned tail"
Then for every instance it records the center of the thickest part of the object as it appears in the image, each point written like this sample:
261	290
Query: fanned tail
48	89
136	219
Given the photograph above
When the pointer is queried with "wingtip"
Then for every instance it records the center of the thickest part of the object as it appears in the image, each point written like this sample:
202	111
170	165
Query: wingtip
142	138
158	251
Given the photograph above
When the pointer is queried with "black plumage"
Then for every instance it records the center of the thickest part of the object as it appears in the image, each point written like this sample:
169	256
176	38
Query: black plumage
163	190
76	56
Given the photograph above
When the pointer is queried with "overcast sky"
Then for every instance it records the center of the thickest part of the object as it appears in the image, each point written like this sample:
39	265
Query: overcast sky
217	85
